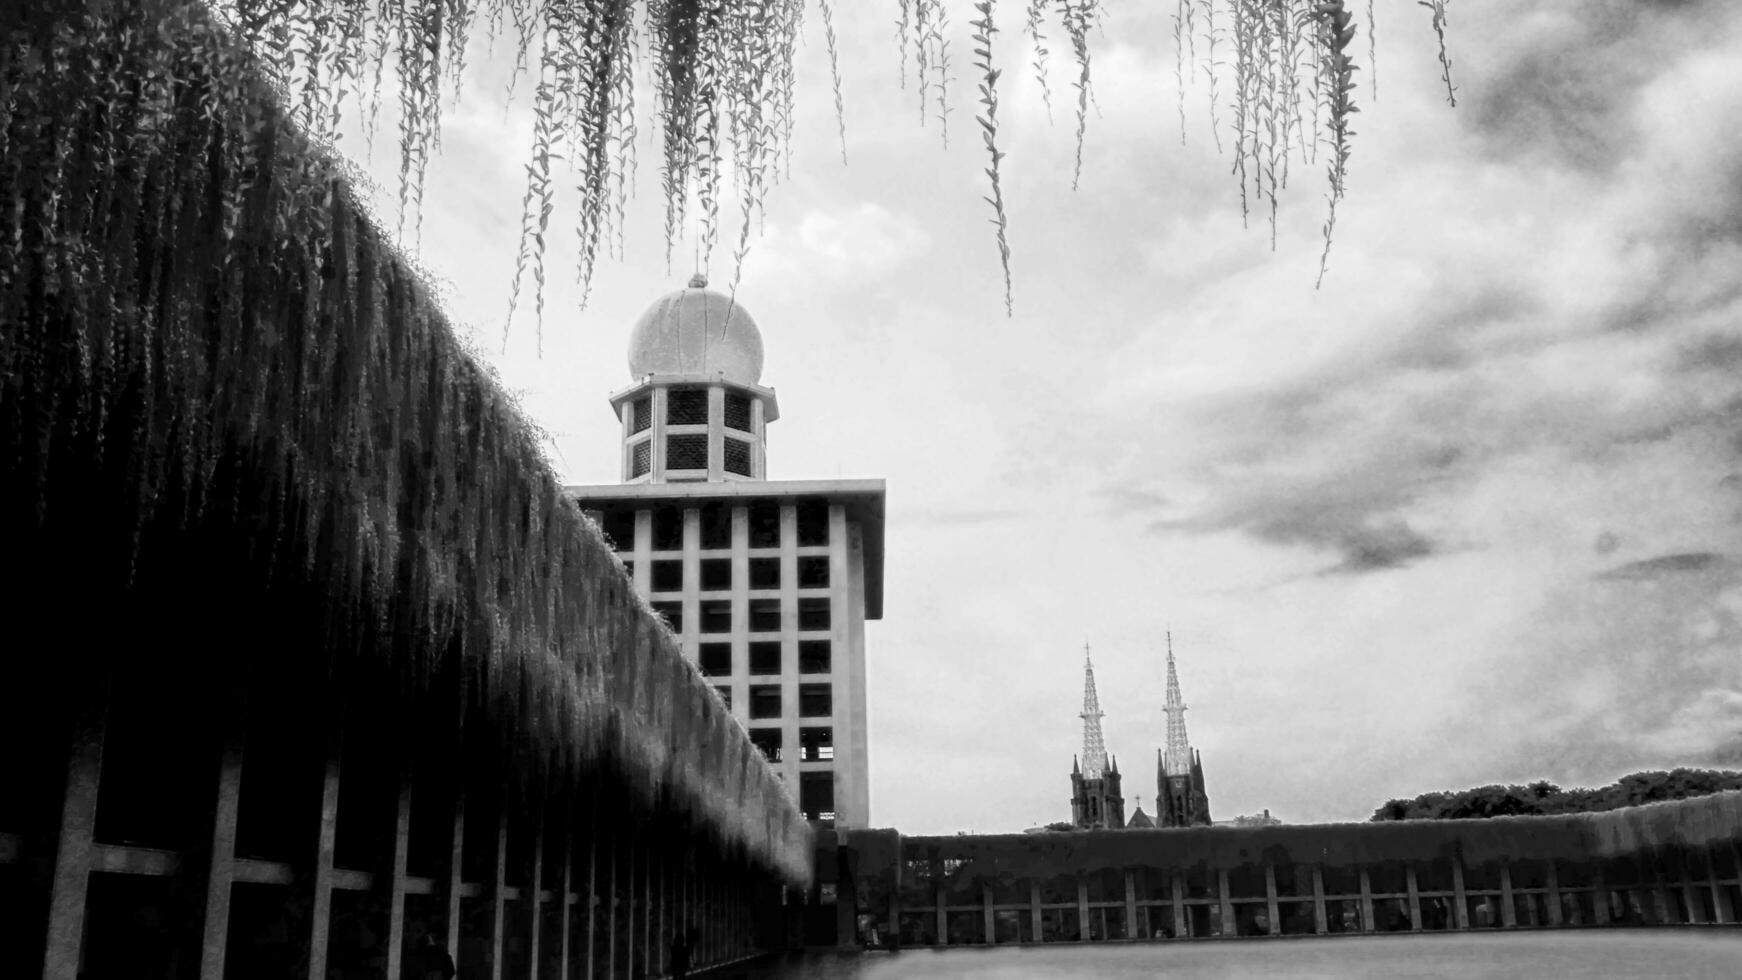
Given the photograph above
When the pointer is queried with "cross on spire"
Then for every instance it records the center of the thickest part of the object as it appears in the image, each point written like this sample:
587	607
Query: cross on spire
1177	757
1094	746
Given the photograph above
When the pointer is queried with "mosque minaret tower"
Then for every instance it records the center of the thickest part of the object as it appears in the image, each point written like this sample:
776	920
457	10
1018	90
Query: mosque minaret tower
765	584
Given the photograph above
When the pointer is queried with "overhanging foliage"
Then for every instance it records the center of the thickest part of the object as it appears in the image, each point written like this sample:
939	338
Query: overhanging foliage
193	307
1279	74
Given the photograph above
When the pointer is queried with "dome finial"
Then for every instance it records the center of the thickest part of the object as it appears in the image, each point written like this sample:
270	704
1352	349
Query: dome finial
698	281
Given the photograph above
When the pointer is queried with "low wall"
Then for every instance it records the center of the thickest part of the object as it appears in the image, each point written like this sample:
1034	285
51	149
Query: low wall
1662	864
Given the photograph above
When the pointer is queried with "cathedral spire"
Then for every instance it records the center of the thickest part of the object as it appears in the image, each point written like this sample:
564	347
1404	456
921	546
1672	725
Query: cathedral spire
1177	758
1094	747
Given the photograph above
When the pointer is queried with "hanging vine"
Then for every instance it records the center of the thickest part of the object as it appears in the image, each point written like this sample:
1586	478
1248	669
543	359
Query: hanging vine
722	94
984	28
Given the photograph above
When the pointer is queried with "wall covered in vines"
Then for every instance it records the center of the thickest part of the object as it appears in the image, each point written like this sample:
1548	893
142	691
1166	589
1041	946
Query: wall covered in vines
202	337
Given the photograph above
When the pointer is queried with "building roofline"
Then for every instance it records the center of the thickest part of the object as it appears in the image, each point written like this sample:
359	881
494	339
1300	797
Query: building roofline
771	404
864	500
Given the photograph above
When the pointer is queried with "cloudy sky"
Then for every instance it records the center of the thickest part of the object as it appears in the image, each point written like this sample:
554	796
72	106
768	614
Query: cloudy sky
1471	512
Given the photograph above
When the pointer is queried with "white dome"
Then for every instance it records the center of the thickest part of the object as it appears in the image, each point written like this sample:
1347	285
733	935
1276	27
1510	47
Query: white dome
696	331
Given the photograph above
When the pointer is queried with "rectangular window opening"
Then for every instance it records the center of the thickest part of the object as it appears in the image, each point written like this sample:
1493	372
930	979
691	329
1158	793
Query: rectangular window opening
813	614
765	657
765	573
816	795
816	700
641	414
764	525
667	528
686	452
672	613
666	575
737	459
813	572
686	406
738	411
814	657
813	523
816	744
716	574
716	616
715	659
619	528
764	615
716	522
765	701
767	741
640	458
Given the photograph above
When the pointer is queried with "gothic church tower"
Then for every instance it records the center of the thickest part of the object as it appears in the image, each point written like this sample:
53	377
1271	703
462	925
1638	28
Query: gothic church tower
1180	799
1096	800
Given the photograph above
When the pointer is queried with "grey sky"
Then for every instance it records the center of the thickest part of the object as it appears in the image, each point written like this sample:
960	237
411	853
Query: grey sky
1472	512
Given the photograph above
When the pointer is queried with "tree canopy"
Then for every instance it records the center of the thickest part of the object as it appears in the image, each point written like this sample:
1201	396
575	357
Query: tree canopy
1544	797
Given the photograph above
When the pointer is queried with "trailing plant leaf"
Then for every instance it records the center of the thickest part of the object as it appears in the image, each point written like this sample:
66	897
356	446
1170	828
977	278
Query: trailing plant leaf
1334	33
1036	16
984	28
1438	9
834	74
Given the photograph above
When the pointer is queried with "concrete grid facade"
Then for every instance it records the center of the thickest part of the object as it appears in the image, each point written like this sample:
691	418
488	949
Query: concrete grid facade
765	585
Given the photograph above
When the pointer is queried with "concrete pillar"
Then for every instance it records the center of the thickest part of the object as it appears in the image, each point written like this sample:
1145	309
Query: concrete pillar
662	927
1229	926
1179	905
940	916
565	890
1414	896
499	888
610	901
1508	908
1554	894
716	433
1321	923
1131	930
221	872
592	903
1367	923
535	907
1082	909
321	911
396	883
643	553
790	721
1599	896
75	846
634	903
895	903
988	917
1272	911
1721	904
1690	897
692	594
1034	915
456	867
1460	906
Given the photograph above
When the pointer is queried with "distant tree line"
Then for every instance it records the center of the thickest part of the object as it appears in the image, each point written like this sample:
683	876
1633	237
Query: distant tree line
1544	797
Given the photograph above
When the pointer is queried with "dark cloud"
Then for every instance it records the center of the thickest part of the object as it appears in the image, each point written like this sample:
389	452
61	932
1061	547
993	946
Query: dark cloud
1568	91
1654	568
1391	545
1356	516
1132	500
1606	543
1720	353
